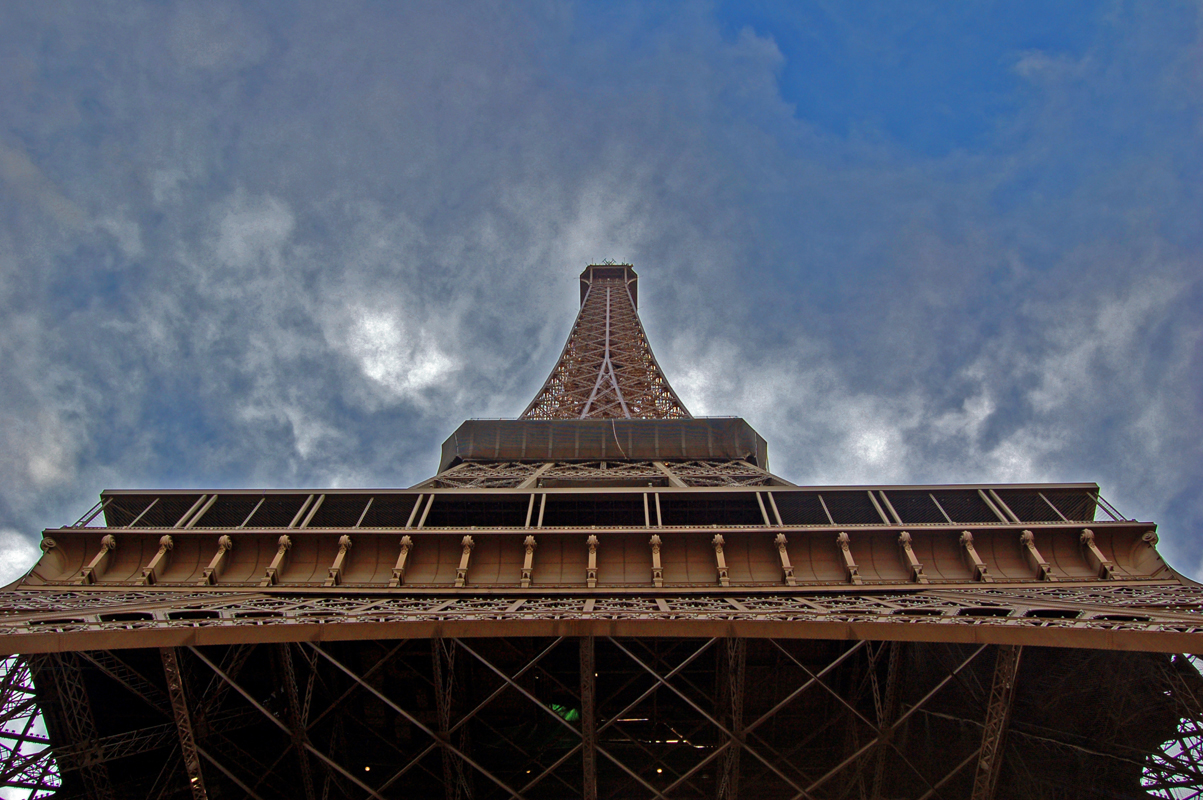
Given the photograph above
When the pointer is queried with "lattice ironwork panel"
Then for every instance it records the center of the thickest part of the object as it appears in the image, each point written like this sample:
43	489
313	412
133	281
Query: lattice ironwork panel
1166	618
28	767
607	369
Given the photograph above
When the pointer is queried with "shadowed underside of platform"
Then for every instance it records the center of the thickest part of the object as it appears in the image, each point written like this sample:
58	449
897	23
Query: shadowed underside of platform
615	717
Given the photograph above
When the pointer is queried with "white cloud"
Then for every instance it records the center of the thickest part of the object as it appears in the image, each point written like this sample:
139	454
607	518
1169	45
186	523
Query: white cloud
17	555
394	352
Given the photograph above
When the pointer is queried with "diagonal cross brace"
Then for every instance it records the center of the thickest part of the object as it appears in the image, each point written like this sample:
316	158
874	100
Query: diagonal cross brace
558	718
897	723
413	721
183	722
726	732
283	727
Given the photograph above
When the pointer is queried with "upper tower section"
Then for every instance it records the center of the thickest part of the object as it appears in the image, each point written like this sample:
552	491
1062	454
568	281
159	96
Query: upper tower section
607	370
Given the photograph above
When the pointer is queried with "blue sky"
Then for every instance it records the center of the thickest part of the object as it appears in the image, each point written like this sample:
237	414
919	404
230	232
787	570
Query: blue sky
294	245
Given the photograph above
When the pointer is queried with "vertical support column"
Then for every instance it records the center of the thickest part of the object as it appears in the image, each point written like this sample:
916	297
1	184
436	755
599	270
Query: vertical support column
272	575
731	711
335	574
212	573
296	722
150	573
455	781
998	714
588	718
850	567
183	722
95	568
1104	566
980	571
910	559
887	712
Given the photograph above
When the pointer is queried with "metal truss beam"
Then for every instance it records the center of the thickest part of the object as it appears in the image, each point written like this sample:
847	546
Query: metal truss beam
894	726
456	784
108	663
26	759
519	475
726	731
183	722
412	720
606	369
998	713
63	673
948	686
732	669
887	709
296	717
284	727
1153	619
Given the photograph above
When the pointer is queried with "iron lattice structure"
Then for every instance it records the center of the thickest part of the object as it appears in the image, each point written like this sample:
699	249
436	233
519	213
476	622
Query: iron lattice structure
514	474
607	369
605	599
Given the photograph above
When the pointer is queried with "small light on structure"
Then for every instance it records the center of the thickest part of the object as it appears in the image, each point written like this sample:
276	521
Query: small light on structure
658	770
367	769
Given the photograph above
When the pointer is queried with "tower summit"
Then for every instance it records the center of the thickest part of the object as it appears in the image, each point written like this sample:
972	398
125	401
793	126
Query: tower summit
606	597
607	370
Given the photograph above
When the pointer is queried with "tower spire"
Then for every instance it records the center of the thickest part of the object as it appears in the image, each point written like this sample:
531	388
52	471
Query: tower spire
607	369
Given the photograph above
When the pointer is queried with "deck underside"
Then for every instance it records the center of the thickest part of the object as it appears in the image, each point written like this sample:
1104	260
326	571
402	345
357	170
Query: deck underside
616	717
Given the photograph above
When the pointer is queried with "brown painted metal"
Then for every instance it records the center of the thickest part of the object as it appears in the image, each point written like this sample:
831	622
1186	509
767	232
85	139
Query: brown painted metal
26	760
783	750
607	369
607	598
468	556
588	718
998	713
183	722
1149	618
62	675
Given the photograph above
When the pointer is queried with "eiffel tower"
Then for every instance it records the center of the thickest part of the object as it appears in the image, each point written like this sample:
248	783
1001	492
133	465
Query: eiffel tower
605	598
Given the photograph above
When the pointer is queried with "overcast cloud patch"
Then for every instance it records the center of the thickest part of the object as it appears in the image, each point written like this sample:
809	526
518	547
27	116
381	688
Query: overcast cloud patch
249	246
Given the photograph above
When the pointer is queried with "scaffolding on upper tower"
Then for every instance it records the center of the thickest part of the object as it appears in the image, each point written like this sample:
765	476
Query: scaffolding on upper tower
607	370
